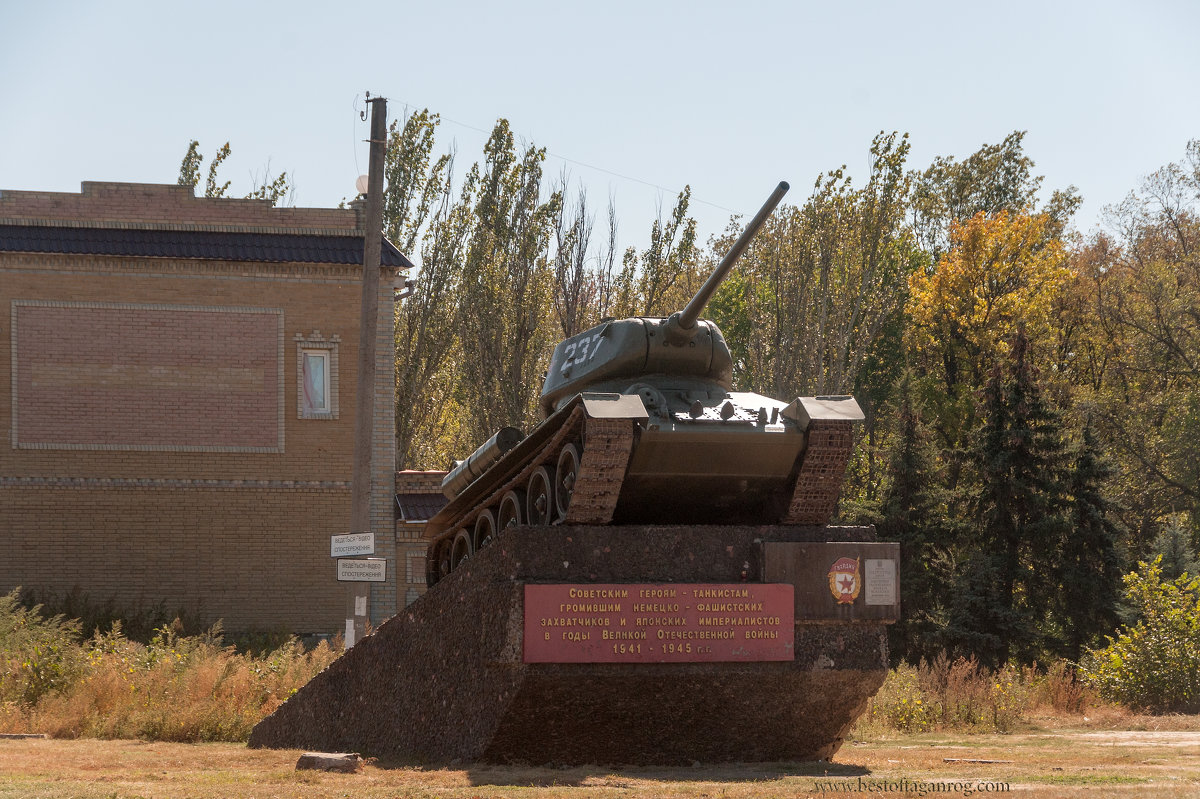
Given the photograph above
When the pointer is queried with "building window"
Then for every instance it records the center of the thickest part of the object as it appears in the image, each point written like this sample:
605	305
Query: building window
316	381
316	376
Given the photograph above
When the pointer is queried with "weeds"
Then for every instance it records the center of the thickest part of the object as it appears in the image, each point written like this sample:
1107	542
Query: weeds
139	620
38	655
961	695
173	688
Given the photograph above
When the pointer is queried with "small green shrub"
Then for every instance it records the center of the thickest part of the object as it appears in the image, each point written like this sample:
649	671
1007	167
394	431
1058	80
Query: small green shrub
38	655
1154	665
901	703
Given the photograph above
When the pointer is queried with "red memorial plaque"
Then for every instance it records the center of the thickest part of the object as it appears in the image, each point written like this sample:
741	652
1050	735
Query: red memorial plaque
650	623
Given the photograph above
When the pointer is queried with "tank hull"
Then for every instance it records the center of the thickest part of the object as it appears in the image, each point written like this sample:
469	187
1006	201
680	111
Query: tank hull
664	451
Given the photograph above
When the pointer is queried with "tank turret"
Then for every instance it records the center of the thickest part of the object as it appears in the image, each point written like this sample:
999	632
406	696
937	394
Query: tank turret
617	350
641	425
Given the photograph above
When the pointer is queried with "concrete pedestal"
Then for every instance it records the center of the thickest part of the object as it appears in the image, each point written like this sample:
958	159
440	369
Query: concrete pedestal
446	680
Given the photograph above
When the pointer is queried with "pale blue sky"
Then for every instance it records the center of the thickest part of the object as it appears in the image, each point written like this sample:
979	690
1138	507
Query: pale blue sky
727	97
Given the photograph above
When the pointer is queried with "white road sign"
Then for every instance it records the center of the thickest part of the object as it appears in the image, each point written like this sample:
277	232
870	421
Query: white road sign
342	546
365	570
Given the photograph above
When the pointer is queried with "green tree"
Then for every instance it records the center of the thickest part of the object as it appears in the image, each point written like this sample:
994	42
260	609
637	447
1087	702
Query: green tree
266	187
821	283
661	279
1000	274
1146	286
916	512
1175	548
996	178
414	181
506	300
1089	569
1003	603
419	211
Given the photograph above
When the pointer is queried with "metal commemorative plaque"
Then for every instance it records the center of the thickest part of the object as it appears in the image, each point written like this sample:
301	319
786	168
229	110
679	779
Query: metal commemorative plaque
659	623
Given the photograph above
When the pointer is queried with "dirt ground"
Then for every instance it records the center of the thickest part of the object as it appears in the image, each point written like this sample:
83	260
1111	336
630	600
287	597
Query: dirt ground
1160	760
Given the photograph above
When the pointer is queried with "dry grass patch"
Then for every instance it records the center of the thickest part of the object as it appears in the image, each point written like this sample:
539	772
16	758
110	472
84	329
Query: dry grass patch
960	695
1045	763
172	689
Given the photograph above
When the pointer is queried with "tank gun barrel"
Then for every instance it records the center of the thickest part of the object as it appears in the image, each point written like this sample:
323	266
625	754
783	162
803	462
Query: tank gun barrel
691	312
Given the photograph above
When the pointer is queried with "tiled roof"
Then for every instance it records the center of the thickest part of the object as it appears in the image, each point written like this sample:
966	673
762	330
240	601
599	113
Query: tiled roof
202	244
419	507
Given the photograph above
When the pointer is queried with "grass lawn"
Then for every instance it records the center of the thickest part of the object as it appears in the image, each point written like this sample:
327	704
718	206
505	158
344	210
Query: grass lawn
1146	757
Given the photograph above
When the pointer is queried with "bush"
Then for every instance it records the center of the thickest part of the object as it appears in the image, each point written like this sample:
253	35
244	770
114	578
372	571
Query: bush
1154	665
38	655
901	704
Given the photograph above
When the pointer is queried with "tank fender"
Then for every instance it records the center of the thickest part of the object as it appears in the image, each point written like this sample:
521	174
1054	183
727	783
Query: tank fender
805	410
600	405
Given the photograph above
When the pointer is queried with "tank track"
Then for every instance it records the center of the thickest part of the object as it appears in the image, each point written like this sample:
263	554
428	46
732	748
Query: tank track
606	447
822	469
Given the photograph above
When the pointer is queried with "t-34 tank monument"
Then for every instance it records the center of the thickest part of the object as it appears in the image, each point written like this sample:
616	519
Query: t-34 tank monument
647	577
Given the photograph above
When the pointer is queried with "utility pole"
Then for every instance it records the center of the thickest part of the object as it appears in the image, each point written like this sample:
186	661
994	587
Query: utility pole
358	593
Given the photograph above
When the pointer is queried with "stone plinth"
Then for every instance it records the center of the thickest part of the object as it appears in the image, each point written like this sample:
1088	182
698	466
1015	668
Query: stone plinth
445	679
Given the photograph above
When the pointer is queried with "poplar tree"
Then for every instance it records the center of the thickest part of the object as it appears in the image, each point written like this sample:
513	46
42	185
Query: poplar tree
504	319
276	189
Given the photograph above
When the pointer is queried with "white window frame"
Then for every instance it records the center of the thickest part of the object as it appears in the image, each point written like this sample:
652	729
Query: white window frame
327	350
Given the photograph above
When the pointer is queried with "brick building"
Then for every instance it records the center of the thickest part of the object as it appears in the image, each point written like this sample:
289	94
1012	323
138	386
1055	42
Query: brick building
418	497
179	402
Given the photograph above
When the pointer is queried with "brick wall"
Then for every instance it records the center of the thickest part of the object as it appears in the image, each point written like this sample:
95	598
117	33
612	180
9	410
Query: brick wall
124	376
256	556
419	482
184	504
153	205
410	546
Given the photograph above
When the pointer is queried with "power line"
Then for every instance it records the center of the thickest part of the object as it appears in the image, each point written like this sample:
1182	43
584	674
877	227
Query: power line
586	165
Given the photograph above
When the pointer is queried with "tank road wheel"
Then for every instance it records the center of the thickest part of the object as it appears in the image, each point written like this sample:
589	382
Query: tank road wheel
442	561
462	551
485	529
539	498
433	564
564	479
512	510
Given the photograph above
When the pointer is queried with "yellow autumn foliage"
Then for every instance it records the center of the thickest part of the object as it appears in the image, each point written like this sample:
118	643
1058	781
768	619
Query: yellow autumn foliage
1001	272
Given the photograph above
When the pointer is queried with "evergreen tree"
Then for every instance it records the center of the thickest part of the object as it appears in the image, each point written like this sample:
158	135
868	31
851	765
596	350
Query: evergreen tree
1090	562
1174	545
1003	602
915	513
